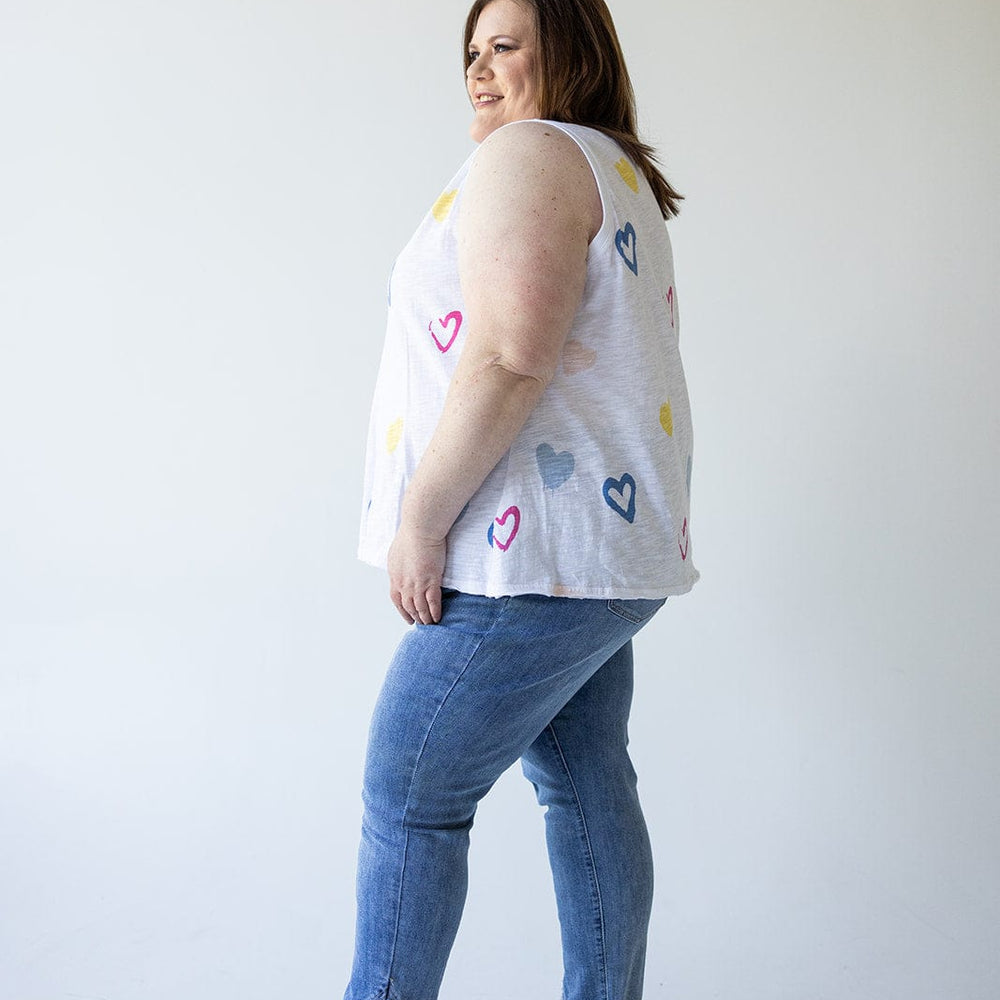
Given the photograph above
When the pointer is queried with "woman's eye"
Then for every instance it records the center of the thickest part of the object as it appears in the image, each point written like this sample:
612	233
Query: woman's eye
497	47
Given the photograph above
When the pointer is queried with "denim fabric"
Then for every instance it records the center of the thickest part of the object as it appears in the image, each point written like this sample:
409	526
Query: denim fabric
544	679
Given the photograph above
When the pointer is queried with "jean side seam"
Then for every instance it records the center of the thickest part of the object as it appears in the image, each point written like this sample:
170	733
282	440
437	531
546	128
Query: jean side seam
596	884
399	911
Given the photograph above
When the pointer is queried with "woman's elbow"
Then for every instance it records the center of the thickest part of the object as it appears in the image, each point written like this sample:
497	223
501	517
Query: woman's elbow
533	370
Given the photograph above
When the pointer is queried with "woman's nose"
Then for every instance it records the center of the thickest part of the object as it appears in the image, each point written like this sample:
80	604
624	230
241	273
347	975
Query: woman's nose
479	68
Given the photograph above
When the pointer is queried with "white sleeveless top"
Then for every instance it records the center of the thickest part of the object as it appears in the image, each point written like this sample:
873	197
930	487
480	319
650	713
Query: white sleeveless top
593	497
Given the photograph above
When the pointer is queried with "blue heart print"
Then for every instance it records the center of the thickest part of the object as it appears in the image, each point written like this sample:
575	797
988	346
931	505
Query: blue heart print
554	468
618	486
626	243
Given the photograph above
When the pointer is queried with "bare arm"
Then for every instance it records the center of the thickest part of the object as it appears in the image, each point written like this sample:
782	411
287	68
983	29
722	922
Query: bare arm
529	209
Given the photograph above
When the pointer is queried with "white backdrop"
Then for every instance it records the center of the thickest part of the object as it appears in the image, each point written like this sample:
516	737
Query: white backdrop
199	206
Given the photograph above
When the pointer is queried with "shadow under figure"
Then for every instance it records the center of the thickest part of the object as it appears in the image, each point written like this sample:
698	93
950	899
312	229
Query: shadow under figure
527	489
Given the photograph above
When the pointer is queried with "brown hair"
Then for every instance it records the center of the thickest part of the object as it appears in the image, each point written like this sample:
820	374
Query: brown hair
583	80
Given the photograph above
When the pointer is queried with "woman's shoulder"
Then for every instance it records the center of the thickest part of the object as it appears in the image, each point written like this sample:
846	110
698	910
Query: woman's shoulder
531	143
535	157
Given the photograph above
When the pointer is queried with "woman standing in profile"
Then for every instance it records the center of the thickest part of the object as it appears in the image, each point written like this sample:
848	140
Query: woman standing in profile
527	489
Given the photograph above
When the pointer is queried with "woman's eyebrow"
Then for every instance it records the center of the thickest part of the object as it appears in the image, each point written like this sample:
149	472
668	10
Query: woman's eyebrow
494	38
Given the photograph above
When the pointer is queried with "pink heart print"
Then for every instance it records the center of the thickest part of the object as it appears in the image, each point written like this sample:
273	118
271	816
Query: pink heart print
504	545
445	341
687	540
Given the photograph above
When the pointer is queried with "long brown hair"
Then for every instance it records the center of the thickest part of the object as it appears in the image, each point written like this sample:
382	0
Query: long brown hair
583	79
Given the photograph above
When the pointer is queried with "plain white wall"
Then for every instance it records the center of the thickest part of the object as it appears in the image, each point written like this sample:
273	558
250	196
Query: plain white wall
199	206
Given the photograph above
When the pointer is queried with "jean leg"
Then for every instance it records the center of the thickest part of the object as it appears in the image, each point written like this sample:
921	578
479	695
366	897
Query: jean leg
461	702
412	875
599	849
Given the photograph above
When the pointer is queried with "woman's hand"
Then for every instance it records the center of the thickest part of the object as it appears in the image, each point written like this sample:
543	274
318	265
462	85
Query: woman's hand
416	565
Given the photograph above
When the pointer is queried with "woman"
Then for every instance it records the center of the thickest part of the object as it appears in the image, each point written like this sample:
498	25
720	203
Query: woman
527	489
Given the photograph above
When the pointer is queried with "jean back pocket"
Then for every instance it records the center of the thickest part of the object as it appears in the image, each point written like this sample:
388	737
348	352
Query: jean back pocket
636	610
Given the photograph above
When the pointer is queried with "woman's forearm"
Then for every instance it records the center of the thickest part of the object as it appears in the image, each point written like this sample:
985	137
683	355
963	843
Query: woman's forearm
487	405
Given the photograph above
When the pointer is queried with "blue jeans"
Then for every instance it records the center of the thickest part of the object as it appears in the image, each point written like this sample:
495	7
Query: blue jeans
544	679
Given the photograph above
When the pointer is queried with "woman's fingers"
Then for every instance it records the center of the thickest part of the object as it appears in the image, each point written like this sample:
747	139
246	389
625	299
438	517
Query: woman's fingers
433	596
426	607
423	607
396	596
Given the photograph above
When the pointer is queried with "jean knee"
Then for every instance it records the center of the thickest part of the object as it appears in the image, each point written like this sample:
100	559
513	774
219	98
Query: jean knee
416	790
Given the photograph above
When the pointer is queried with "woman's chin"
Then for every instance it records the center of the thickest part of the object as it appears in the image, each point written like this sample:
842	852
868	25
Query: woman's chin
480	129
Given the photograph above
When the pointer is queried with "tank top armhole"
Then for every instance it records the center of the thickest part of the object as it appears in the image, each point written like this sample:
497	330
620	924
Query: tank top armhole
605	235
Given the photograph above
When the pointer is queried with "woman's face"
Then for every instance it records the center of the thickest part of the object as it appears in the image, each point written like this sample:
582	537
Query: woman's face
501	78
